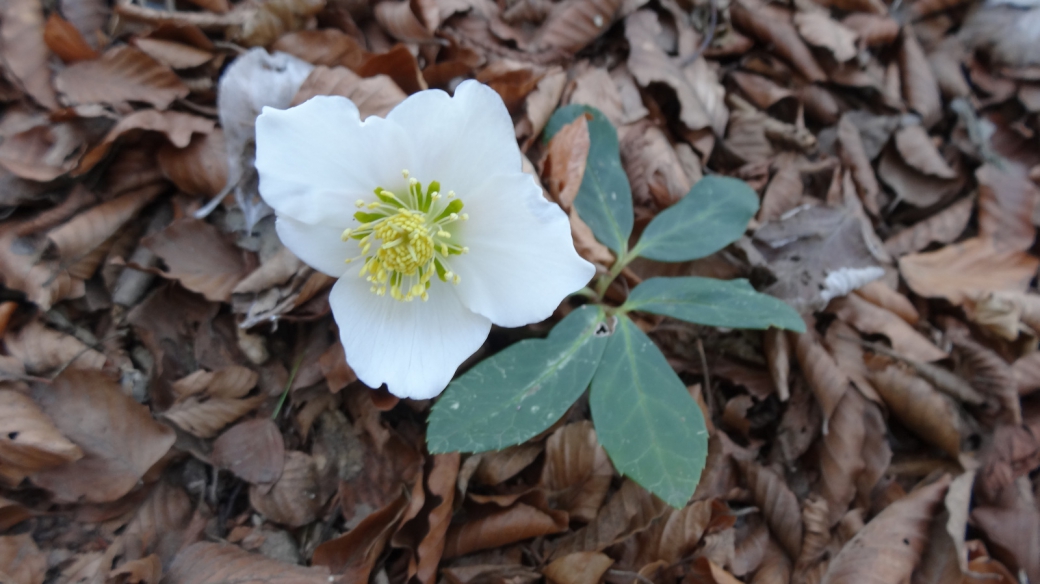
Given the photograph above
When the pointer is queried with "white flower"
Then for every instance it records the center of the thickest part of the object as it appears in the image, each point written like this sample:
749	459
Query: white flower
441	231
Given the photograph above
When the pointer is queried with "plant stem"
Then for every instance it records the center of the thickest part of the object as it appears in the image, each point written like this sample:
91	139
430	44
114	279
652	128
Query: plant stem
623	260
288	386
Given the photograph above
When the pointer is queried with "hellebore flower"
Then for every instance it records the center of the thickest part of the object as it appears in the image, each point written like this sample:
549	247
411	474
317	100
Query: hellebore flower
427	220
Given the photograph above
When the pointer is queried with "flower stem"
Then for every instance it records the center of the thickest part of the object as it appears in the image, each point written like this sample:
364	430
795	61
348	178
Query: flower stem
623	260
288	386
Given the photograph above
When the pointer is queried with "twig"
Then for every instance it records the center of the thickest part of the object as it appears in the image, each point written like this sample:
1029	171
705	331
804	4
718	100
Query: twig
707	378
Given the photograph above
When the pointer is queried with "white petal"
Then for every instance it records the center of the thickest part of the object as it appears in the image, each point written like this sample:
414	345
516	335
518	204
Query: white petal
413	347
460	140
521	261
316	159
319	246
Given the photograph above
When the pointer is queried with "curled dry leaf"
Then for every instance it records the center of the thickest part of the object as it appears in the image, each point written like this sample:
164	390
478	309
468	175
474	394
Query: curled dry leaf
577	471
772	25
178	128
841	460
399	64
879	294
630	509
828	382
354	554
295	499
42	350
819	30
119	438
122	74
775	567
45	152
199	257
403	23
778	505
855	157
926	412
25	53
329	47
990	374
253	450
499	466
573	24
499	527
66	41
200	168
777	346
21	561
578	568
1007	202
374	96
943	227
30	442
889	547
872	319
214	563
441	484
919	85
653	166
273	18
160	524
918	150
960	271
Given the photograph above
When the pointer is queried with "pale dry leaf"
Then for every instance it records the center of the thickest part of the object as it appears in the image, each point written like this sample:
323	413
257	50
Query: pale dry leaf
200	168
960	271
841	461
913	186
778	505
653	167
873	30
762	91
199	257
920	88
119	438
122	74
275	271
214	563
1007	202
173	54
577	471
578	568
819	30
295	499
271	19
777	346
775	567
160	525
943	227
178	128
253	450
542	101
573	24
400	21
66	41
374	96
783	193
44	152
854	156
146	570
206	417
25	53
30	442
918	151
889	547
91	228
869	318
926	412
828	382
21	561
772	25
880	294
42	350
594	87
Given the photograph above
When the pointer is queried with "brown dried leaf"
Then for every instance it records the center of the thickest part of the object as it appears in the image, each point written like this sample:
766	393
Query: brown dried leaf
873	30
45	152
273	18
828	382
253	450
90	229
854	156
374	96
43	350
783	194
295	499
30	442
989	373
121	74
1007	200
889	547
12	514
841	461
399	64
772	25
501	465
327	46
1027	373
777	346
1014	533
879	294
65	40
578	568
199	257
918	151
118	436
918	189
872	319
497	527
198	169
25	53
512	80
214	563
355	553
696	85
402	22
653	167
206	417
173	54
943	227
960	271
819	30
21	561
564	164
440	484
926	412
920	88
146	570
573	24
577	471
778	505
630	509
178	128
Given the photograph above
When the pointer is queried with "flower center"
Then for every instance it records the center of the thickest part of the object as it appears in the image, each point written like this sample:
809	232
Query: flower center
413	232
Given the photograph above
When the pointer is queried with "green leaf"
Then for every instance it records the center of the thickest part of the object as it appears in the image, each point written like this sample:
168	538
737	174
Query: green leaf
711	216
516	394
728	303
604	200
650	426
